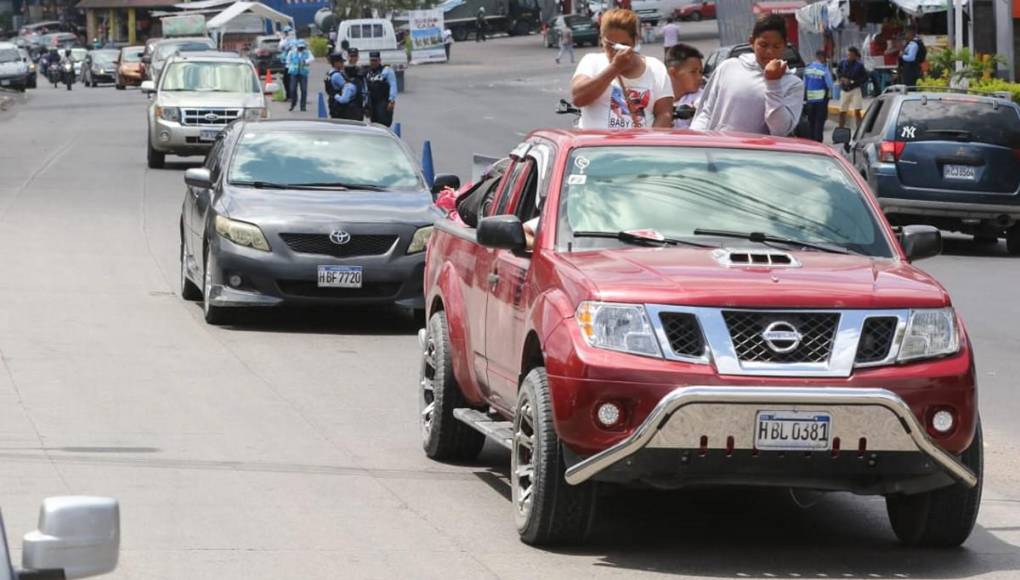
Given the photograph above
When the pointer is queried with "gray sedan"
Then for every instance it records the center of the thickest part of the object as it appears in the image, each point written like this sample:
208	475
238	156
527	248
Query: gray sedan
304	212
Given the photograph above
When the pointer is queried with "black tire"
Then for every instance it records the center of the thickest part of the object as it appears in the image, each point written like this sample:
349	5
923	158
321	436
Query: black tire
460	33
189	290
120	87
945	517
521	28
215	315
547	510
156	159
1013	240
444	438
695	16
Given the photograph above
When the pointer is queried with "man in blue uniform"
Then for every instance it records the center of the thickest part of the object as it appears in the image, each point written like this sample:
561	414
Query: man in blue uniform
382	90
818	87
345	96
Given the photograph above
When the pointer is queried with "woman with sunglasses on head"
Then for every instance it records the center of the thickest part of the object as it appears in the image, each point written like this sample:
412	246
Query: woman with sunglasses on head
619	88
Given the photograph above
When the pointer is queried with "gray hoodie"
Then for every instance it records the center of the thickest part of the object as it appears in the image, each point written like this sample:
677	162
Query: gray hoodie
738	98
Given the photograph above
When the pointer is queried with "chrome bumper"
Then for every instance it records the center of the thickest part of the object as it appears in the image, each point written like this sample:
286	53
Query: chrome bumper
686	414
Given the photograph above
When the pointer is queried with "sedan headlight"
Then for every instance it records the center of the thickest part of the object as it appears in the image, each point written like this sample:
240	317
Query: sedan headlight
930	333
172	114
622	327
253	114
241	233
420	240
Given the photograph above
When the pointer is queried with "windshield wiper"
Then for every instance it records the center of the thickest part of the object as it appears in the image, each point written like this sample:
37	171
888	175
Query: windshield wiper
261	184
638	239
339	185
761	238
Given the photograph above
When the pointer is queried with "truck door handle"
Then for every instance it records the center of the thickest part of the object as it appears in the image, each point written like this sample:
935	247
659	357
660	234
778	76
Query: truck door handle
493	279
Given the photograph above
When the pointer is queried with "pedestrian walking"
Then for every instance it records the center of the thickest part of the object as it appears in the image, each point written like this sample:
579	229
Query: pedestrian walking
670	35
619	88
287	42
566	38
685	65
756	92
817	89
447	42
913	55
852	78
480	25
298	64
382	90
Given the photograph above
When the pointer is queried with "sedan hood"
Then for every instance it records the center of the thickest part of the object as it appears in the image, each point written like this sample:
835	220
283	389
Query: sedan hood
692	276
13	68
279	207
207	100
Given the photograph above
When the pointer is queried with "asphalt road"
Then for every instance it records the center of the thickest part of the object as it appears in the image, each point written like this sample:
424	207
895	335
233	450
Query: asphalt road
287	447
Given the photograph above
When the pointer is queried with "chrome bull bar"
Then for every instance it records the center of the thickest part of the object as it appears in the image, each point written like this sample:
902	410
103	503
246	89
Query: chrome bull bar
687	413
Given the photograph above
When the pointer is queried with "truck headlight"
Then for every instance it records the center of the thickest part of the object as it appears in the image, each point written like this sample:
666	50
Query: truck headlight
241	233
253	114
622	327
420	240
172	114
930	333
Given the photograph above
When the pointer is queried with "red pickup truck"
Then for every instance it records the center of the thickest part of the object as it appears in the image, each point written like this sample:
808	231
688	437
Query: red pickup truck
695	309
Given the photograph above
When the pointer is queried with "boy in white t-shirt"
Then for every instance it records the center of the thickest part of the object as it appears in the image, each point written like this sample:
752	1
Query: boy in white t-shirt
619	88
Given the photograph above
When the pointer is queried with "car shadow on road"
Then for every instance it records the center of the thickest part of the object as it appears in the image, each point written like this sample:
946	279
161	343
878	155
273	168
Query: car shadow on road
763	533
361	320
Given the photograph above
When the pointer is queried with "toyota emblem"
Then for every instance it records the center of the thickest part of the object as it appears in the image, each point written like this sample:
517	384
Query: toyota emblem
782	337
339	237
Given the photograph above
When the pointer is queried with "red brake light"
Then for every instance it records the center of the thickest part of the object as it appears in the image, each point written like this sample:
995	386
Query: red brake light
890	151
1017	153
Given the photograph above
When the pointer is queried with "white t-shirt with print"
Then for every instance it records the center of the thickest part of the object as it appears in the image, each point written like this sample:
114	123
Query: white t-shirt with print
612	110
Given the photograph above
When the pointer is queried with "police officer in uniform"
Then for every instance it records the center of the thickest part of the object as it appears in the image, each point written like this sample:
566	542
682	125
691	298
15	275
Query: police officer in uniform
346	96
382	90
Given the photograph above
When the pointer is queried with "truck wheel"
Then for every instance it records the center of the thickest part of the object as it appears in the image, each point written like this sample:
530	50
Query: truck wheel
521	28
942	518
460	33
1013	240
547	510
444	438
156	159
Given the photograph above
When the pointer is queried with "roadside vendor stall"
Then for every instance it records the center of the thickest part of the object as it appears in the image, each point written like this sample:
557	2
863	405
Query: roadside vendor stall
236	27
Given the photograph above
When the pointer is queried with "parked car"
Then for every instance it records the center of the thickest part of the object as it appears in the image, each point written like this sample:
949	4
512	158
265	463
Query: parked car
78	537
345	223
200	95
265	54
168	47
59	40
692	323
14	71
695	11
715	58
33	72
130	69
99	66
652	11
581	26
945	159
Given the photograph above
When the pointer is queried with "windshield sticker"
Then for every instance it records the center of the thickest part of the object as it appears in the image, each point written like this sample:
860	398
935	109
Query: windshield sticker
578	179
581	163
908	132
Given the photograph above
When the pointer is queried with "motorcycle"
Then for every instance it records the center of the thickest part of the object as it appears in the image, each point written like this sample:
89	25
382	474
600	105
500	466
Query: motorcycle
52	72
68	74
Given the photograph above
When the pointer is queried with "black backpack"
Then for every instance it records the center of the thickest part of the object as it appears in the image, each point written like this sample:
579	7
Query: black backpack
922	51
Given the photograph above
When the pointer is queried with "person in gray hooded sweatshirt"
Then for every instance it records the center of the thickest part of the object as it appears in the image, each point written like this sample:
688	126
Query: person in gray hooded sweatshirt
754	93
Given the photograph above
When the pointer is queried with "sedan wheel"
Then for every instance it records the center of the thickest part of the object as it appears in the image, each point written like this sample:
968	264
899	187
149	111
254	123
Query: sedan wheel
189	291
214	315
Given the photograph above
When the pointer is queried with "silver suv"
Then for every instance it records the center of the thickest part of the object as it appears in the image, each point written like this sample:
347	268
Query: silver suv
198	95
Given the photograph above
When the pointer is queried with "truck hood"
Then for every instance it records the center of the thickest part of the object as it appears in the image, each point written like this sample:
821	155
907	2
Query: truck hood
279	207
13	68
206	100
692	276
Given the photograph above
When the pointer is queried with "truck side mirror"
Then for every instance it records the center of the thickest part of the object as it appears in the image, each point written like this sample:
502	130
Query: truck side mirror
502	232
443	181
79	535
920	242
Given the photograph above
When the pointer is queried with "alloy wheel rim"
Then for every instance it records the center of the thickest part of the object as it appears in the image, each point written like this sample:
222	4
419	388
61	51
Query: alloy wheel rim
522	461
427	398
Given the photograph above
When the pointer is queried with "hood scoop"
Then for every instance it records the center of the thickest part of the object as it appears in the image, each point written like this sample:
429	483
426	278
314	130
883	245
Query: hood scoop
754	258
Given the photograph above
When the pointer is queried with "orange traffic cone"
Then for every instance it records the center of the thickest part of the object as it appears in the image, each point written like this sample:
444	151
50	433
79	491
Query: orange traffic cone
269	76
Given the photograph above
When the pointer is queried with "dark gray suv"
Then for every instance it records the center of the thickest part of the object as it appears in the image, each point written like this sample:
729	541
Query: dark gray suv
947	159
304	212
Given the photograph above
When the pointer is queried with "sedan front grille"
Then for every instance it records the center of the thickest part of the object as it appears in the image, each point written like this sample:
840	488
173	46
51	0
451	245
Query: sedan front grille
211	117
359	245
876	339
817	332
683	333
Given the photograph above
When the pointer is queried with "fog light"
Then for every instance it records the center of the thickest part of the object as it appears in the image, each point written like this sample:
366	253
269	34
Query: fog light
609	414
942	421
164	137
235	280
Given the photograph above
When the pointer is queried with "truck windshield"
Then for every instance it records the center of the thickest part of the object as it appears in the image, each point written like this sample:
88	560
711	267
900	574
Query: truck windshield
677	190
323	158
9	55
219	77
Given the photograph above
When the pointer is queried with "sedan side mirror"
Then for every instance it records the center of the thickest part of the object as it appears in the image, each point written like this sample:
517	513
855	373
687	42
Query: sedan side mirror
198	177
841	135
502	232
443	181
920	242
148	87
77	534
146	59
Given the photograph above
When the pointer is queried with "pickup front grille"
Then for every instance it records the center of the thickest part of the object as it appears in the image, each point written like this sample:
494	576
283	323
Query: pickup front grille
209	117
876	339
683	333
359	245
817	332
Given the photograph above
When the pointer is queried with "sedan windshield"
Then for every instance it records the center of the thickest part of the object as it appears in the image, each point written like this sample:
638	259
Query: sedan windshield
9	55
132	55
676	190
319	158
104	57
220	77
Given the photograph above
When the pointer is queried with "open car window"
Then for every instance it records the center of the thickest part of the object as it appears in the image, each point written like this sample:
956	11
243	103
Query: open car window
477	200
